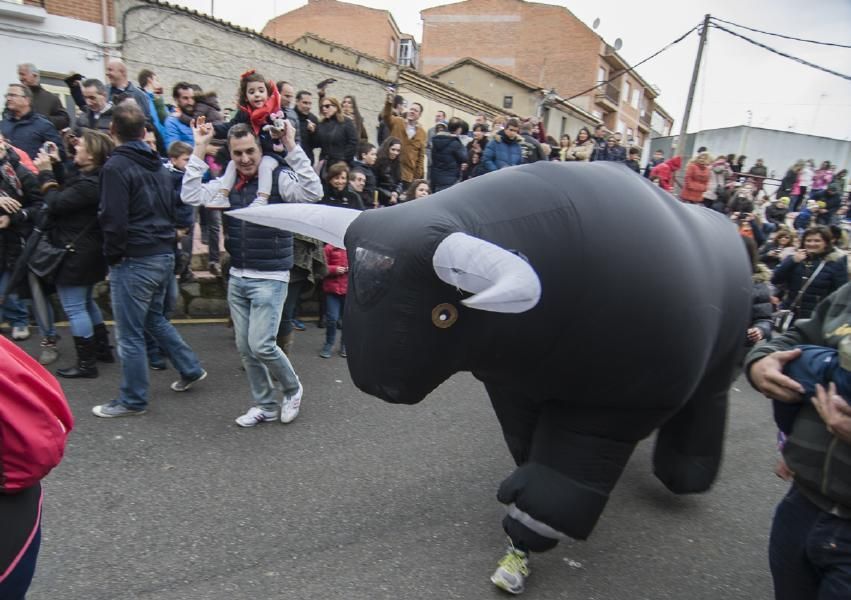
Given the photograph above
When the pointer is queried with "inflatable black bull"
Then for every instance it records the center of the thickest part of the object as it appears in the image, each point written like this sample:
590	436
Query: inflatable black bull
594	307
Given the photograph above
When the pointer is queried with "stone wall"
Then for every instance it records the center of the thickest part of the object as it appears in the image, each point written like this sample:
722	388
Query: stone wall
181	45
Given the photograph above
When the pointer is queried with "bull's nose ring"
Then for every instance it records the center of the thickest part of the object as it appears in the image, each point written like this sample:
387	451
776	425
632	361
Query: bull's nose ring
444	315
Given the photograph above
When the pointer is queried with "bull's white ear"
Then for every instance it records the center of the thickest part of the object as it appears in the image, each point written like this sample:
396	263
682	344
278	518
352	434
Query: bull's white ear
500	280
326	223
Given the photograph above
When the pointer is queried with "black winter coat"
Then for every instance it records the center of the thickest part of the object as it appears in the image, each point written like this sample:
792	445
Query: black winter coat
388	175
447	156
793	275
338	141
12	238
70	210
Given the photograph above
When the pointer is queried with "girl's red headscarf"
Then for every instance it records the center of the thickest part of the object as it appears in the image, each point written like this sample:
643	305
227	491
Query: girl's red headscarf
259	116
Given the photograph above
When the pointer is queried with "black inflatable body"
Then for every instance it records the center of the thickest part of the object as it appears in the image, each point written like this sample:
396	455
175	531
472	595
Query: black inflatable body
643	304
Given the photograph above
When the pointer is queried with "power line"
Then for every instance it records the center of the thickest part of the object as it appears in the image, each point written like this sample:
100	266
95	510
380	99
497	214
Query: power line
795	58
635	66
780	35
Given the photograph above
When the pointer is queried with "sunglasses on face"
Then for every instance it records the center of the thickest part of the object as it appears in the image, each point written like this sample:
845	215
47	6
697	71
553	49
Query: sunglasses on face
324	106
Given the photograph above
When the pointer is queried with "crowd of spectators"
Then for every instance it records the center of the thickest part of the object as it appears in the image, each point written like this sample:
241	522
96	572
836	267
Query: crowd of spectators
121	186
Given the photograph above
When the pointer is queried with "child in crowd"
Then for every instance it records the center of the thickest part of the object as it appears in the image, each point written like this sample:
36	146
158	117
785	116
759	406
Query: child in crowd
335	285
804	219
259	106
364	161
815	365
633	158
419	188
178	155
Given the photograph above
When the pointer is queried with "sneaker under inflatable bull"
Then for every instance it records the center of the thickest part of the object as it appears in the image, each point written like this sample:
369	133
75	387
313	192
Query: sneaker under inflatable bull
594	307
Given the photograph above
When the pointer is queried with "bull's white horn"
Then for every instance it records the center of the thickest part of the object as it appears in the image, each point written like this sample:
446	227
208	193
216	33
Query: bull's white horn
325	223
501	281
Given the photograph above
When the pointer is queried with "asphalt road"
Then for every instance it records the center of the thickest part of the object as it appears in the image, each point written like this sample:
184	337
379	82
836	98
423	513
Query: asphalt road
358	499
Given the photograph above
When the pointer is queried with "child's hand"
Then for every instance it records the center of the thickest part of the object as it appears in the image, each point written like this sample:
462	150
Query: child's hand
202	132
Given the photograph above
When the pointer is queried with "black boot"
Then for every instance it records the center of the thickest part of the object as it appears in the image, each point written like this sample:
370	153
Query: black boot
103	351
86	361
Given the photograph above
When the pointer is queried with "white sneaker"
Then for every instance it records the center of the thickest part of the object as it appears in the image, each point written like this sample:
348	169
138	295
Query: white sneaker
218	201
255	416
291	404
20	333
259	201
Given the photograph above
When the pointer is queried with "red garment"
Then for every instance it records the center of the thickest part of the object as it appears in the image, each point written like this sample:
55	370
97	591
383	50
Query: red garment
665	172
696	182
336	283
25	159
259	116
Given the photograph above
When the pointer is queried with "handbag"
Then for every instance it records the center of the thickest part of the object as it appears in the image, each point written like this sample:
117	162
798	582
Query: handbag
45	260
782	319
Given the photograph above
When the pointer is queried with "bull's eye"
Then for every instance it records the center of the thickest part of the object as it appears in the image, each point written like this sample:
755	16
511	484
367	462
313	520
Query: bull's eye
444	315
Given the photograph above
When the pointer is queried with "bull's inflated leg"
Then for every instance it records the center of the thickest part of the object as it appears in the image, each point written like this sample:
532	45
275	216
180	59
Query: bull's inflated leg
563	486
518	416
687	454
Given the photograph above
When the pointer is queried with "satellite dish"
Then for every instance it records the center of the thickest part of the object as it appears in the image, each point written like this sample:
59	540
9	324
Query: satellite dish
618	44
596	23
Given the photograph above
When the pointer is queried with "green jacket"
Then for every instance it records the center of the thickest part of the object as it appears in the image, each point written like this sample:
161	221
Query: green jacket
821	462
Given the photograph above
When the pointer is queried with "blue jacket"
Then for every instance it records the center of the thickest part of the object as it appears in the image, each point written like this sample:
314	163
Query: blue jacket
254	246
175	131
137	204
30	132
502	152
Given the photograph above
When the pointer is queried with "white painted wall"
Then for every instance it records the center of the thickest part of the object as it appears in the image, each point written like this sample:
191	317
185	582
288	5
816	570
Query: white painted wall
52	43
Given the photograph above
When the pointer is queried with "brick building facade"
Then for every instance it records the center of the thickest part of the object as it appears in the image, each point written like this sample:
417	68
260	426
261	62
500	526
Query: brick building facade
369	30
84	10
543	44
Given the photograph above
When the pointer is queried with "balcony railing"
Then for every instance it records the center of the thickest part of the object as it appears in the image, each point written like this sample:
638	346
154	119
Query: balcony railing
609	92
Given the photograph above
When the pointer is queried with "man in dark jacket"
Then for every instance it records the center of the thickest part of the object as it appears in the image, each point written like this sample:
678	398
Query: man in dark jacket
612	151
261	259
600	136
23	127
307	122
137	216
813	521
447	155
531	147
90	96
121	87
44	103
503	149
658	159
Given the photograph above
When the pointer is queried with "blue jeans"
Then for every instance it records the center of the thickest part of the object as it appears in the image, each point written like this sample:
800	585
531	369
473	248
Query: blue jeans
255	307
82	311
14	310
334	305
211	221
291	306
809	551
138	287
155	351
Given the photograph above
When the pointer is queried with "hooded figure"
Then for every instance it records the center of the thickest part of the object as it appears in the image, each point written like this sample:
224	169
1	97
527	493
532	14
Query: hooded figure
665	172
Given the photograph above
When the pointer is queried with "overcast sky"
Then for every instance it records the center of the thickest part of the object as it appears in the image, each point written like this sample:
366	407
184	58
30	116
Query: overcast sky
739	82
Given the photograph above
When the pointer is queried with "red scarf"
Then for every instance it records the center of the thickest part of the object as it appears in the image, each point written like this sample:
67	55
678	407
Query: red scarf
258	116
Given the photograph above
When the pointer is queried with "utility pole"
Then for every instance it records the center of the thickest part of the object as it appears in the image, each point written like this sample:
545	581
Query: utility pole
681	143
